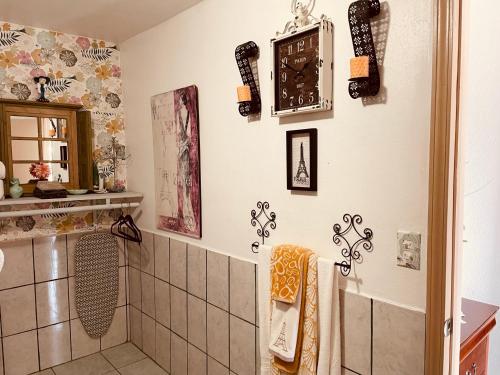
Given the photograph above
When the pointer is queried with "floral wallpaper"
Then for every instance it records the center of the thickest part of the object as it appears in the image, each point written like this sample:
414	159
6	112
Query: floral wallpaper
83	71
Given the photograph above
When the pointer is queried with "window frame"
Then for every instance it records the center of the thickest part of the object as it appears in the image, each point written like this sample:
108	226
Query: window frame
10	108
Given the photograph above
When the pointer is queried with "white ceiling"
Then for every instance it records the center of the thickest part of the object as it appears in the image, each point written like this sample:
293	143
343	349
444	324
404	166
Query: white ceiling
111	20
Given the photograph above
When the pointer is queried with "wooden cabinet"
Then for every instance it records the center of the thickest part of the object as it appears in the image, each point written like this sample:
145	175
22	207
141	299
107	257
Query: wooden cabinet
53	136
474	341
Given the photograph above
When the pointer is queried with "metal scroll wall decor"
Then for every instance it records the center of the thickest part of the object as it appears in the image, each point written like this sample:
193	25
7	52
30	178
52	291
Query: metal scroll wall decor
263	220
350	239
248	94
365	78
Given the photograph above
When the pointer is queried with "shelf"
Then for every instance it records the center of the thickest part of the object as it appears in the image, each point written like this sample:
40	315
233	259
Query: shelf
70	198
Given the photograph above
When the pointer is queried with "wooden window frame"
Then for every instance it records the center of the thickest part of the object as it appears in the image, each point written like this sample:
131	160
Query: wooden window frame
67	112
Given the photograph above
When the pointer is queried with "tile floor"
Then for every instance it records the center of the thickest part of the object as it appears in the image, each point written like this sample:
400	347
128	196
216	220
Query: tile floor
124	359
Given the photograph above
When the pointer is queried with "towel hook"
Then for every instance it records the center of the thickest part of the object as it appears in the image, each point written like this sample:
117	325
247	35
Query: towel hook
350	251
262	229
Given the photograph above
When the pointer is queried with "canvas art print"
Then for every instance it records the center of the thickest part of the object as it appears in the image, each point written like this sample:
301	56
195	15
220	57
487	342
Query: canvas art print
302	160
177	161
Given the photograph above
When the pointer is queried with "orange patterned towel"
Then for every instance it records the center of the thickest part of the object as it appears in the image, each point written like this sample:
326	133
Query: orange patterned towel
286	271
306	359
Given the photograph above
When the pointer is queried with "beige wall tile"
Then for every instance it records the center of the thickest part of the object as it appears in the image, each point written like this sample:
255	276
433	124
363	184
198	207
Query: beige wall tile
197	361
72	298
178	308
123	355
148	336
215	368
197	322
54	345
218	280
72	239
81	343
178	264
197	271
134	277
51	261
122	287
21	354
218	334
242	289
18	310
163	347
162	257
134	254
121	252
398	340
117	333
147	253
179	356
242	347
52	302
136	327
345	371
18	264
148	294
162	302
355	323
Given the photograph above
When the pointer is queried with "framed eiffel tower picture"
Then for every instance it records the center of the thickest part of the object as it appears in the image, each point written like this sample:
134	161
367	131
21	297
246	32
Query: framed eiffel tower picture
302	159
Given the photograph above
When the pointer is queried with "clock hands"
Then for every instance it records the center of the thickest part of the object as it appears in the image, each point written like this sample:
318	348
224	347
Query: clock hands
288	66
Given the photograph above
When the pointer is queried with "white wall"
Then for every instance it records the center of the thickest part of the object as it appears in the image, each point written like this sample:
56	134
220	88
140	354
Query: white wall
373	160
480	119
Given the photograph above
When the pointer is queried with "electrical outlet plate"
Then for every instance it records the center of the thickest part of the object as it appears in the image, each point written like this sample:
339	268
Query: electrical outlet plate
409	245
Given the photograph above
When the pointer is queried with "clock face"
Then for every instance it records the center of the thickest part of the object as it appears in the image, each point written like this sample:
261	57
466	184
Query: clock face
297	71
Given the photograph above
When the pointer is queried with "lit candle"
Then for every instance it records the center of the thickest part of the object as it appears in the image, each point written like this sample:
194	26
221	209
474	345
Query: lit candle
244	94
360	67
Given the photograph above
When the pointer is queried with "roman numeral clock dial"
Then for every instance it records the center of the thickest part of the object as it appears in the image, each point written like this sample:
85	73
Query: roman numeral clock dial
297	73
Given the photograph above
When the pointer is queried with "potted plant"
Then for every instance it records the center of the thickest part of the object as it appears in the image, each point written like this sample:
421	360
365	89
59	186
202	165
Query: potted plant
40	171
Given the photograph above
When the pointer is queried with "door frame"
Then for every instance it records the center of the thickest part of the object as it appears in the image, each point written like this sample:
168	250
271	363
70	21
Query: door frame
444	185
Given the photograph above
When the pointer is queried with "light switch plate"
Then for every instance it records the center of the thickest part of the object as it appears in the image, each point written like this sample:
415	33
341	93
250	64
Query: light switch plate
409	245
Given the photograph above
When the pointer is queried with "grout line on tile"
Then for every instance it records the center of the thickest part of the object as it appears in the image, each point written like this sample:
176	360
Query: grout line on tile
371	338
229	308
354	372
36	307
1	343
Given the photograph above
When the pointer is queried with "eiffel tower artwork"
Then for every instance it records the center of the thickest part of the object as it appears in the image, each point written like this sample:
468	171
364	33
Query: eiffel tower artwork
302	170
280	341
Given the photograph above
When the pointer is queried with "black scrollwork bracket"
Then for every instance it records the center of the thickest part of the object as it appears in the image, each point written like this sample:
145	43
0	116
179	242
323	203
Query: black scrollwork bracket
263	220
360	13
350	249
243	53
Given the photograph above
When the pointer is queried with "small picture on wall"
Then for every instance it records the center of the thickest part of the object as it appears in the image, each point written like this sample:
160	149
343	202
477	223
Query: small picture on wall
302	156
409	250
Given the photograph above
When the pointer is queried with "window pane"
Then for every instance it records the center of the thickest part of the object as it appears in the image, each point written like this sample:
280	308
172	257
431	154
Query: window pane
54	128
23	126
55	150
57	172
24	150
22	172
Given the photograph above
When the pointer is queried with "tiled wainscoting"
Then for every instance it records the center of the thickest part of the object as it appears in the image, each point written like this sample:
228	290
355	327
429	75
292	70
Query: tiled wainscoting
39	322
195	312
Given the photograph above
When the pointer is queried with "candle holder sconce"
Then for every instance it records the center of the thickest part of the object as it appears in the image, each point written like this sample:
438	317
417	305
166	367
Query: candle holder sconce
248	94
365	77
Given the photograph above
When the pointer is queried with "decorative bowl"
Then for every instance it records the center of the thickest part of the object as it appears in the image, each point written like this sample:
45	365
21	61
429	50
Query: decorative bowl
77	191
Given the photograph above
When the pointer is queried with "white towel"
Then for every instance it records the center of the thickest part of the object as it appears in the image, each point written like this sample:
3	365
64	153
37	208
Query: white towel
329	318
285	320
264	299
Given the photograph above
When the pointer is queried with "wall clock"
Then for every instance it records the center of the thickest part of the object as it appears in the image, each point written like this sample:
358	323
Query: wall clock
302	74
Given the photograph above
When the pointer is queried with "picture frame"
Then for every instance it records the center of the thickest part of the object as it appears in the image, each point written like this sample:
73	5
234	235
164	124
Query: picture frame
176	149
302	159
